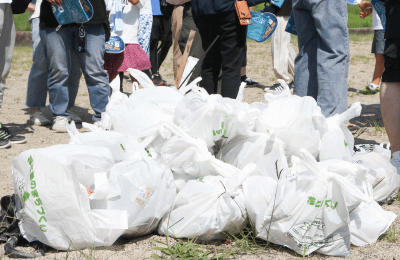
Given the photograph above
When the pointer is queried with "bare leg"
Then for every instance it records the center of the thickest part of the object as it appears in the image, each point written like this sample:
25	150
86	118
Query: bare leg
243	71
379	68
390	106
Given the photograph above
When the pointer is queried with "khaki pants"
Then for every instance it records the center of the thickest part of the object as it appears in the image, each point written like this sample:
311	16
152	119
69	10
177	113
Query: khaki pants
177	17
7	42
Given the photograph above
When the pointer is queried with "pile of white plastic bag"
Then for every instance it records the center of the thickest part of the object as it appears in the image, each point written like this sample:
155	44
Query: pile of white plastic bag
193	165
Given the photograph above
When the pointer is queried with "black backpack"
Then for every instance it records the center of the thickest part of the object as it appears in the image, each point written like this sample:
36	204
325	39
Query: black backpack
19	6
10	233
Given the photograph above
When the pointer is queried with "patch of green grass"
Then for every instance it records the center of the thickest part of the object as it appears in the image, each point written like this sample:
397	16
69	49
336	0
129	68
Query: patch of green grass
390	235
361	38
22	60
378	128
354	20
357	59
21	22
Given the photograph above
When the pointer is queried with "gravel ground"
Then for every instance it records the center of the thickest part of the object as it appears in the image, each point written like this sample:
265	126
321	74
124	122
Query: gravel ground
14	115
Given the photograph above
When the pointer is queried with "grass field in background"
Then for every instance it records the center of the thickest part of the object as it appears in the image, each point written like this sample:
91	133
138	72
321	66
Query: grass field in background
21	20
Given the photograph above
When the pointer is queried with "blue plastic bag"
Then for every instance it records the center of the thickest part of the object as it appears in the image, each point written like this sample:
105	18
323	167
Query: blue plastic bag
115	45
290	27
73	11
262	27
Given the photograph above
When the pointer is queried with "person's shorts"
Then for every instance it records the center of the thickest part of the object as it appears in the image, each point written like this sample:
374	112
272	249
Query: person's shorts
392	61
378	44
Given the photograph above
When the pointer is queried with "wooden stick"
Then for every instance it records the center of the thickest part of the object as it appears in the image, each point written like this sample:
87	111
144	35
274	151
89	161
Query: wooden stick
185	56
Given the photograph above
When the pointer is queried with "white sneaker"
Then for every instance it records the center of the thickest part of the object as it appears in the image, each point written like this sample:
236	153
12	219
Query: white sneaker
39	119
396	161
59	124
373	87
74	117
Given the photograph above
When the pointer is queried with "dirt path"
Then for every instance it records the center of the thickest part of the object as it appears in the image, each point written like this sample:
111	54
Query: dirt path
14	115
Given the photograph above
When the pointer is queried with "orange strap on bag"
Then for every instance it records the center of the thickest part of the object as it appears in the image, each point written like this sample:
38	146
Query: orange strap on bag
243	12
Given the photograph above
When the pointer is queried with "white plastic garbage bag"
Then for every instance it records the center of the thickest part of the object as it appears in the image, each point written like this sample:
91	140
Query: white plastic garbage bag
309	211
293	119
337	141
116	98
189	158
369	221
145	189
265	150
51	185
144	109
211	118
207	207
142	78
121	146
387	182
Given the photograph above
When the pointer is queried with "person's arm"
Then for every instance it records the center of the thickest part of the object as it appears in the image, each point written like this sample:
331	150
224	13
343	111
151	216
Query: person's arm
134	2
365	13
55	2
364	5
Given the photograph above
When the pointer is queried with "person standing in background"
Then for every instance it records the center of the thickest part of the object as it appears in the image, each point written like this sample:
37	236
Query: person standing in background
378	45
196	50
161	31
176	23
134	56
7	43
322	65
390	89
219	18
283	53
145	25
60	44
36	93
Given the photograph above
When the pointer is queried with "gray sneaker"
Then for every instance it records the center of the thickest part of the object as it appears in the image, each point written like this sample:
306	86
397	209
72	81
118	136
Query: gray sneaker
39	119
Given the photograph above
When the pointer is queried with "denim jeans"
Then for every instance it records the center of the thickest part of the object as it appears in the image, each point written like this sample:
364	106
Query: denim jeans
321	67
60	48
36	92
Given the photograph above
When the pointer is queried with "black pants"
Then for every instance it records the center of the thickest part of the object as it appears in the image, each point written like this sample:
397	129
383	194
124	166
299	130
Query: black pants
161	31
227	53
196	51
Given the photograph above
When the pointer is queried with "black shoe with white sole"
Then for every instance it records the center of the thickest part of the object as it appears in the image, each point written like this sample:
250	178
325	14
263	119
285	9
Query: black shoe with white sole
276	87
7	138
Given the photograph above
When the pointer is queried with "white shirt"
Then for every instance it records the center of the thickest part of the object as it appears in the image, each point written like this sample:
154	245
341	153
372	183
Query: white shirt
36	13
131	14
5	1
146	7
376	21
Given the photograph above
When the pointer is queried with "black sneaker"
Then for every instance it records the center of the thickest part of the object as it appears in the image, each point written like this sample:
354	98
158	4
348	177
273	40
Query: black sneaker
4	141
249	81
13	139
276	87
158	81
